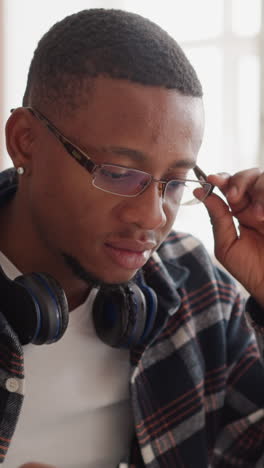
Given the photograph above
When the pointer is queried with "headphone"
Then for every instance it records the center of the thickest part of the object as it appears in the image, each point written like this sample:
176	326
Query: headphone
36	307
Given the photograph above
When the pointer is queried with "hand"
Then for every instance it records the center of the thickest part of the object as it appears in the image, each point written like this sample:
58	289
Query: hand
242	254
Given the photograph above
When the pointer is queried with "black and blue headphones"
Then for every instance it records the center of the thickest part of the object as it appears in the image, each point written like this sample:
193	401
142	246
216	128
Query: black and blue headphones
36	308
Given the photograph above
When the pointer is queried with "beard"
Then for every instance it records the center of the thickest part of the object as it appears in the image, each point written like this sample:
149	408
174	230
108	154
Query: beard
89	278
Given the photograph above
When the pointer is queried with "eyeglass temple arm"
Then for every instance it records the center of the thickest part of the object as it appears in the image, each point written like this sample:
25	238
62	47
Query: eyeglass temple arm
73	151
202	177
87	163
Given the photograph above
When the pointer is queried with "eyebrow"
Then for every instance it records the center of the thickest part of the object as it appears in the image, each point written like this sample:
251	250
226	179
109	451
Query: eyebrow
140	156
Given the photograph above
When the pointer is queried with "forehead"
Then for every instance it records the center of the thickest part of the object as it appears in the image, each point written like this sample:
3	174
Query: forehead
145	118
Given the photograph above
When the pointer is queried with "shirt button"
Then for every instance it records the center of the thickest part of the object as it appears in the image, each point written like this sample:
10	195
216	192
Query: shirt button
12	385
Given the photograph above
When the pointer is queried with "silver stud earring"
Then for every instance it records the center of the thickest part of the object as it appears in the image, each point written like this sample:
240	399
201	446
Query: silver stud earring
20	170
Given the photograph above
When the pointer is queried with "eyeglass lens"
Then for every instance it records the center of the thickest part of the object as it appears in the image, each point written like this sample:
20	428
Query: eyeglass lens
131	182
121	180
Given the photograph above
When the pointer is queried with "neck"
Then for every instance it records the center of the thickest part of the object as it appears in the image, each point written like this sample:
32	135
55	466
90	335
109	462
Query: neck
19	244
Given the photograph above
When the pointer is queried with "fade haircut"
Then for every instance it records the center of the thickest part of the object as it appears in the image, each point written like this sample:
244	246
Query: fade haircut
107	42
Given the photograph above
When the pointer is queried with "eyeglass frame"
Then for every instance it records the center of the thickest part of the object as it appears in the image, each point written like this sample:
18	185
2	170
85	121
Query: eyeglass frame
85	160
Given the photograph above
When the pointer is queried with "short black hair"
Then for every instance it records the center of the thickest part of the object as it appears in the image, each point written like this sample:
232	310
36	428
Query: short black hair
108	42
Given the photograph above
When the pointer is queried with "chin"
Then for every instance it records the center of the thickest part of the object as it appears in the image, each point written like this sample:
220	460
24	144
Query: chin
119	279
95	279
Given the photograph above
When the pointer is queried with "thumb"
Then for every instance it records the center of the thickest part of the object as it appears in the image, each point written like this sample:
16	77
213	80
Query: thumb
224	230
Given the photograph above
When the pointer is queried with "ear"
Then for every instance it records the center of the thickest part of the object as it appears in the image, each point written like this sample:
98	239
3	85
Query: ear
20	137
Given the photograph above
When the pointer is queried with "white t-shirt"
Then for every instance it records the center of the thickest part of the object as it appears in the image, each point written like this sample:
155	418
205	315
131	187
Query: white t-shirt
76	412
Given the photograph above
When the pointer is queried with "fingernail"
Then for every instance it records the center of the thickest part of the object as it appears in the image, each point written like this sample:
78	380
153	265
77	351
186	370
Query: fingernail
232	193
258	209
199	194
225	175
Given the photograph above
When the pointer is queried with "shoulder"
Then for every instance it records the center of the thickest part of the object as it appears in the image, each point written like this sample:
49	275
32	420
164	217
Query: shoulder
209	294
179	244
185	250
8	183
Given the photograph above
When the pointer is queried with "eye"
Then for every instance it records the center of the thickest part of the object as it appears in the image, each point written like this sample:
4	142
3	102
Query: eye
176	185
115	172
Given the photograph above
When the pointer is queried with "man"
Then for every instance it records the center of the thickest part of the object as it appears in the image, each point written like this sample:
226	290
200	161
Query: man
110	127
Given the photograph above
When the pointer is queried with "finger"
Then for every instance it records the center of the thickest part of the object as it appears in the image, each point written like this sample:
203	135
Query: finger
236	185
257	197
220	180
223	181
224	230
240	189
241	183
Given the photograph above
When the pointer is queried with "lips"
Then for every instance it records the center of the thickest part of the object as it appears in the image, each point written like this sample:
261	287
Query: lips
129	254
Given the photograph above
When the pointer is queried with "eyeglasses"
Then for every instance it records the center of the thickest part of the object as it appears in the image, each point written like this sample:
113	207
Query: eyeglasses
127	182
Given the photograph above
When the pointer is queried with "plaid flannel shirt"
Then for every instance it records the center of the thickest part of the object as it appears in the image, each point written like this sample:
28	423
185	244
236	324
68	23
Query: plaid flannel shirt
197	386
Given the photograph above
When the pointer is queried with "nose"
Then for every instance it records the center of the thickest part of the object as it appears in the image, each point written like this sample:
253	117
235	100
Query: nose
146	210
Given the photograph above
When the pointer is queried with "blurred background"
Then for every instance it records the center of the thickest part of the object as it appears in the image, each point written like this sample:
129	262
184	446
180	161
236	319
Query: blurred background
224	40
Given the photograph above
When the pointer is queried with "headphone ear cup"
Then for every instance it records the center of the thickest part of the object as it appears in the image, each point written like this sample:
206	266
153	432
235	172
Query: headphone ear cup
117	319
152	310
123	317
60	301
137	315
111	315
47	318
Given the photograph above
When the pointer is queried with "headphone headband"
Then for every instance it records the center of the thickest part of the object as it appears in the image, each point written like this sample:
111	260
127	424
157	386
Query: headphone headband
36	307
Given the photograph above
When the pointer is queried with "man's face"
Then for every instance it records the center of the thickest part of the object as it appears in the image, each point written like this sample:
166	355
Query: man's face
148	128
